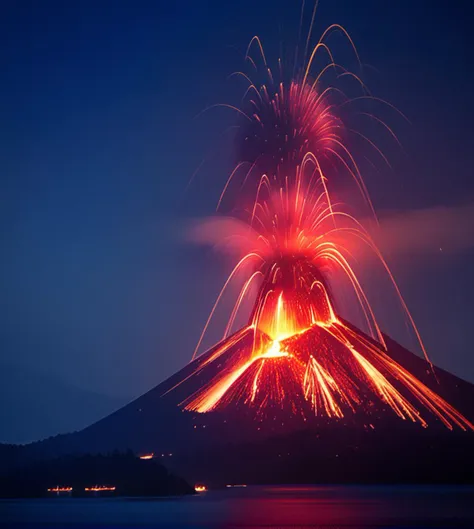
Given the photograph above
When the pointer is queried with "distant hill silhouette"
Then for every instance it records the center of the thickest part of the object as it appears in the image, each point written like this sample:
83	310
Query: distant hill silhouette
36	406
233	445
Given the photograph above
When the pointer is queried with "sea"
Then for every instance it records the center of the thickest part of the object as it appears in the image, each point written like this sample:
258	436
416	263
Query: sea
321	507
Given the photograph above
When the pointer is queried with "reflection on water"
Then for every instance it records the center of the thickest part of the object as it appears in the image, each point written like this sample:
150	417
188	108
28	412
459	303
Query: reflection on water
284	506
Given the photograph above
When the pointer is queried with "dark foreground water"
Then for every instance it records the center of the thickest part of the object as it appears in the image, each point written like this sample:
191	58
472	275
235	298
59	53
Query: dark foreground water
292	506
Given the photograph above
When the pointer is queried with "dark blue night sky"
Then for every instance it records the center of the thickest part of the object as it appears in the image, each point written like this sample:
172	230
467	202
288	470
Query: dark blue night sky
99	138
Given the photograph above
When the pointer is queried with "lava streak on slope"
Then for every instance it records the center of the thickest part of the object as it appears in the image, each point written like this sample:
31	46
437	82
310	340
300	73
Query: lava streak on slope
329	370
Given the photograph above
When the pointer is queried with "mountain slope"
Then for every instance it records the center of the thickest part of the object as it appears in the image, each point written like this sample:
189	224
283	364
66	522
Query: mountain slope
235	443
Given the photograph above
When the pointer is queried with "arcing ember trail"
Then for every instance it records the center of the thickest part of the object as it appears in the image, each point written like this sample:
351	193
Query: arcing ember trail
297	353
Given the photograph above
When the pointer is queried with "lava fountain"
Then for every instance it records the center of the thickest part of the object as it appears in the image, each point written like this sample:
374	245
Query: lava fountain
297	243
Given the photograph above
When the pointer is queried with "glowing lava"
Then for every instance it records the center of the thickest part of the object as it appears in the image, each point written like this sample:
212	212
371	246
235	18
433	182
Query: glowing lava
331	367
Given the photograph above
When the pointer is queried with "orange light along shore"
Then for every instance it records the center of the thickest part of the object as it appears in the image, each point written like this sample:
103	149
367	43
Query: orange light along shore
99	488
200	488
147	456
58	490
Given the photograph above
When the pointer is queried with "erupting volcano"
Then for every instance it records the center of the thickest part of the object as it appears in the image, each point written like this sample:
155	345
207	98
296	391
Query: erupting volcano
298	246
302	384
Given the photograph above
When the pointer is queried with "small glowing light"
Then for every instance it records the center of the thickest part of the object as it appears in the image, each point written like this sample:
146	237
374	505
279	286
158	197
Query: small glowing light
200	488
147	456
60	489
99	488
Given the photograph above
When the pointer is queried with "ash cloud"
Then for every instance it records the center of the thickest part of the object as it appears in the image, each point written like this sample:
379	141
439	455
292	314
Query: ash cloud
427	231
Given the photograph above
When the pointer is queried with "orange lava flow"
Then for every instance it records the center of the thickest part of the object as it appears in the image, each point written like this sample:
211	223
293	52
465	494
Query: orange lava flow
331	367
299	243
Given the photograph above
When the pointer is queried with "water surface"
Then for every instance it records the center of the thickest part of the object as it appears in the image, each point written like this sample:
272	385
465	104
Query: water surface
283	506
